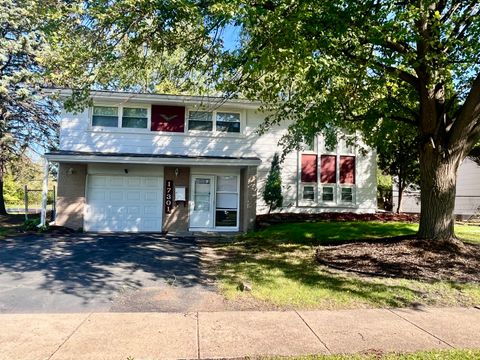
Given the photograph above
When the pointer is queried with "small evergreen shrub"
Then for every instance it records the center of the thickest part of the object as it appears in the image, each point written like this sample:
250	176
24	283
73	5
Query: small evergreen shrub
272	194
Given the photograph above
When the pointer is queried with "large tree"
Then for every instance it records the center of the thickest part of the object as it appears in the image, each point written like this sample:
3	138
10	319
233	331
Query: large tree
27	119
357	64
351	64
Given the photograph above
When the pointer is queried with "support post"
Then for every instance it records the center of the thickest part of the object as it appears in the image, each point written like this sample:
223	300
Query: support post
43	215
54	204
25	199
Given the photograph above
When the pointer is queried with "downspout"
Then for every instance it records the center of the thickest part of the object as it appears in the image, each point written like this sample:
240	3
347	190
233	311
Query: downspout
43	214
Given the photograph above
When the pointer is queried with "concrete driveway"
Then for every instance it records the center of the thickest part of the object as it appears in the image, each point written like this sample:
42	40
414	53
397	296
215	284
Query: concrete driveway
96	272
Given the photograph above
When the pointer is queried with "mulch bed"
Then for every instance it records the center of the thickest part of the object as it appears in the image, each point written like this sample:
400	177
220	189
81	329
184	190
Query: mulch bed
265	220
409	259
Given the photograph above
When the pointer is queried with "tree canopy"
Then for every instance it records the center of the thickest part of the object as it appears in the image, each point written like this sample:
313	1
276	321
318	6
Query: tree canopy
27	118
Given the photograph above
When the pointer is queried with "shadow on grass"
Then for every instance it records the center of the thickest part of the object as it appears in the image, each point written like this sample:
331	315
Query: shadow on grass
284	275
279	263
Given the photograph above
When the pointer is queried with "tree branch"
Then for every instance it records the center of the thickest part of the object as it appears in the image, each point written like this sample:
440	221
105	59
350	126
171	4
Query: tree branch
401	74
468	117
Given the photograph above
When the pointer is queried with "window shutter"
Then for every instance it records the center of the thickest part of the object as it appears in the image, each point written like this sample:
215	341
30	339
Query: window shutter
168	118
347	169
328	169
309	168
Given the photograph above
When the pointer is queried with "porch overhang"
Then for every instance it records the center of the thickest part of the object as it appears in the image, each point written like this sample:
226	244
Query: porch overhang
152	159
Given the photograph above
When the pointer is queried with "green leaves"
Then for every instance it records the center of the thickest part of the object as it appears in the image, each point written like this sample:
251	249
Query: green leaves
272	193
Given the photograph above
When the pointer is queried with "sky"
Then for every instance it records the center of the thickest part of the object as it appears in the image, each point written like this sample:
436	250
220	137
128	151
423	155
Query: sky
231	37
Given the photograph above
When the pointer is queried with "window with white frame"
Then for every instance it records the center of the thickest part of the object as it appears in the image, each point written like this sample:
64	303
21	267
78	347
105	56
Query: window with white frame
328	193
337	178
226	210
136	118
105	116
346	194
218	121
308	192
200	120
228	122
130	117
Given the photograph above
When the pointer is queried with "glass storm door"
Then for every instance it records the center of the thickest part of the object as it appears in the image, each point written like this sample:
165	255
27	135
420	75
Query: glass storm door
201	215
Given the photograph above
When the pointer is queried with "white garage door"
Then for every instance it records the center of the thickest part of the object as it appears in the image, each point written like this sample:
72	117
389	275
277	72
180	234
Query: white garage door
124	203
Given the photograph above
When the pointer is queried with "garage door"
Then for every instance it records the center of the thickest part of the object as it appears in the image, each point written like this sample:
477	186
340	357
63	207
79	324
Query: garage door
124	203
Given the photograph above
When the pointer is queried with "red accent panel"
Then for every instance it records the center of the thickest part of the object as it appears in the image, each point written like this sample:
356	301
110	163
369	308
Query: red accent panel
168	118
347	169
309	168
328	169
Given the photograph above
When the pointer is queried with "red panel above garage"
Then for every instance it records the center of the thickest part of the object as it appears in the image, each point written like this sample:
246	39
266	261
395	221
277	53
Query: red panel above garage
168	118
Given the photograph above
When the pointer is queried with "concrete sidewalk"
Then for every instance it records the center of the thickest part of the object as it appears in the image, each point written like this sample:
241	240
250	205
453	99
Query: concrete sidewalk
209	335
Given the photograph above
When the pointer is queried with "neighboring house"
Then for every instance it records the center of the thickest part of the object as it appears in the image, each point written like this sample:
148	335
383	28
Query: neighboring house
145	162
467	200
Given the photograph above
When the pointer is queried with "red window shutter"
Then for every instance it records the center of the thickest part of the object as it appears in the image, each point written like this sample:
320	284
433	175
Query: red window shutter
347	169
328	169
168	118
309	168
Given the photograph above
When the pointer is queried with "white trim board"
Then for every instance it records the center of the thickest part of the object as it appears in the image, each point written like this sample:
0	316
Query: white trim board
151	160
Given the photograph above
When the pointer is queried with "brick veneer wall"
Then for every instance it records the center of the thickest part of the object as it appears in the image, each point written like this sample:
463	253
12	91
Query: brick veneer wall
71	195
177	220
248	198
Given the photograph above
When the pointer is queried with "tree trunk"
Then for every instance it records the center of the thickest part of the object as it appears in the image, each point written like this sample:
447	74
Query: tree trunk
438	177
3	210
400	197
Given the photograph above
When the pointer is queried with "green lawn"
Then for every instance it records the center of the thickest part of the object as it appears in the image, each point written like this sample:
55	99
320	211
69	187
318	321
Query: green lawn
422	355
3	231
279	263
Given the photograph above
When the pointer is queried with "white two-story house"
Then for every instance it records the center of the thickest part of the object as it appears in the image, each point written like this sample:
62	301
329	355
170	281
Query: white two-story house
148	163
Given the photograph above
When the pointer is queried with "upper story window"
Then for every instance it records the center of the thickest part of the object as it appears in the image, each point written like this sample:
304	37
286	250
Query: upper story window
214	121
200	120
228	122
106	116
136	118
130	117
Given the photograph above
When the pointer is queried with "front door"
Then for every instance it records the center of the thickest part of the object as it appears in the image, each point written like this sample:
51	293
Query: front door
201	215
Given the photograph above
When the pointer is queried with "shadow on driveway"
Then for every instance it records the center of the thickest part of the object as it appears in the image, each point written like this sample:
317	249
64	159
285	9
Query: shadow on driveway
87	271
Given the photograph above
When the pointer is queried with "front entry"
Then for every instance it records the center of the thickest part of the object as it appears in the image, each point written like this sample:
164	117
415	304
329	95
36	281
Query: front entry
201	214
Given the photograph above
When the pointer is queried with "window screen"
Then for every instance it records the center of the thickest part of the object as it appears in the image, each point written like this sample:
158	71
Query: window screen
136	118
228	122
200	120
106	116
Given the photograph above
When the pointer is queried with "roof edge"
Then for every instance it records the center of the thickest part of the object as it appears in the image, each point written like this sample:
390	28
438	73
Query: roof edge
161	98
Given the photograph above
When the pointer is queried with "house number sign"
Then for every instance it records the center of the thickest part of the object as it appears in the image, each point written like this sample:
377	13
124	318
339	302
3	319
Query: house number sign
168	196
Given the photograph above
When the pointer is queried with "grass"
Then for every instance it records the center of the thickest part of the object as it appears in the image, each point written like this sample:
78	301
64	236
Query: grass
279	264
4	231
422	355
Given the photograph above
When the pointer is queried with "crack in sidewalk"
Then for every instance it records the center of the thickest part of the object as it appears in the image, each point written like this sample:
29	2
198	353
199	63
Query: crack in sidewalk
69	336
314	333
420	328
198	336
